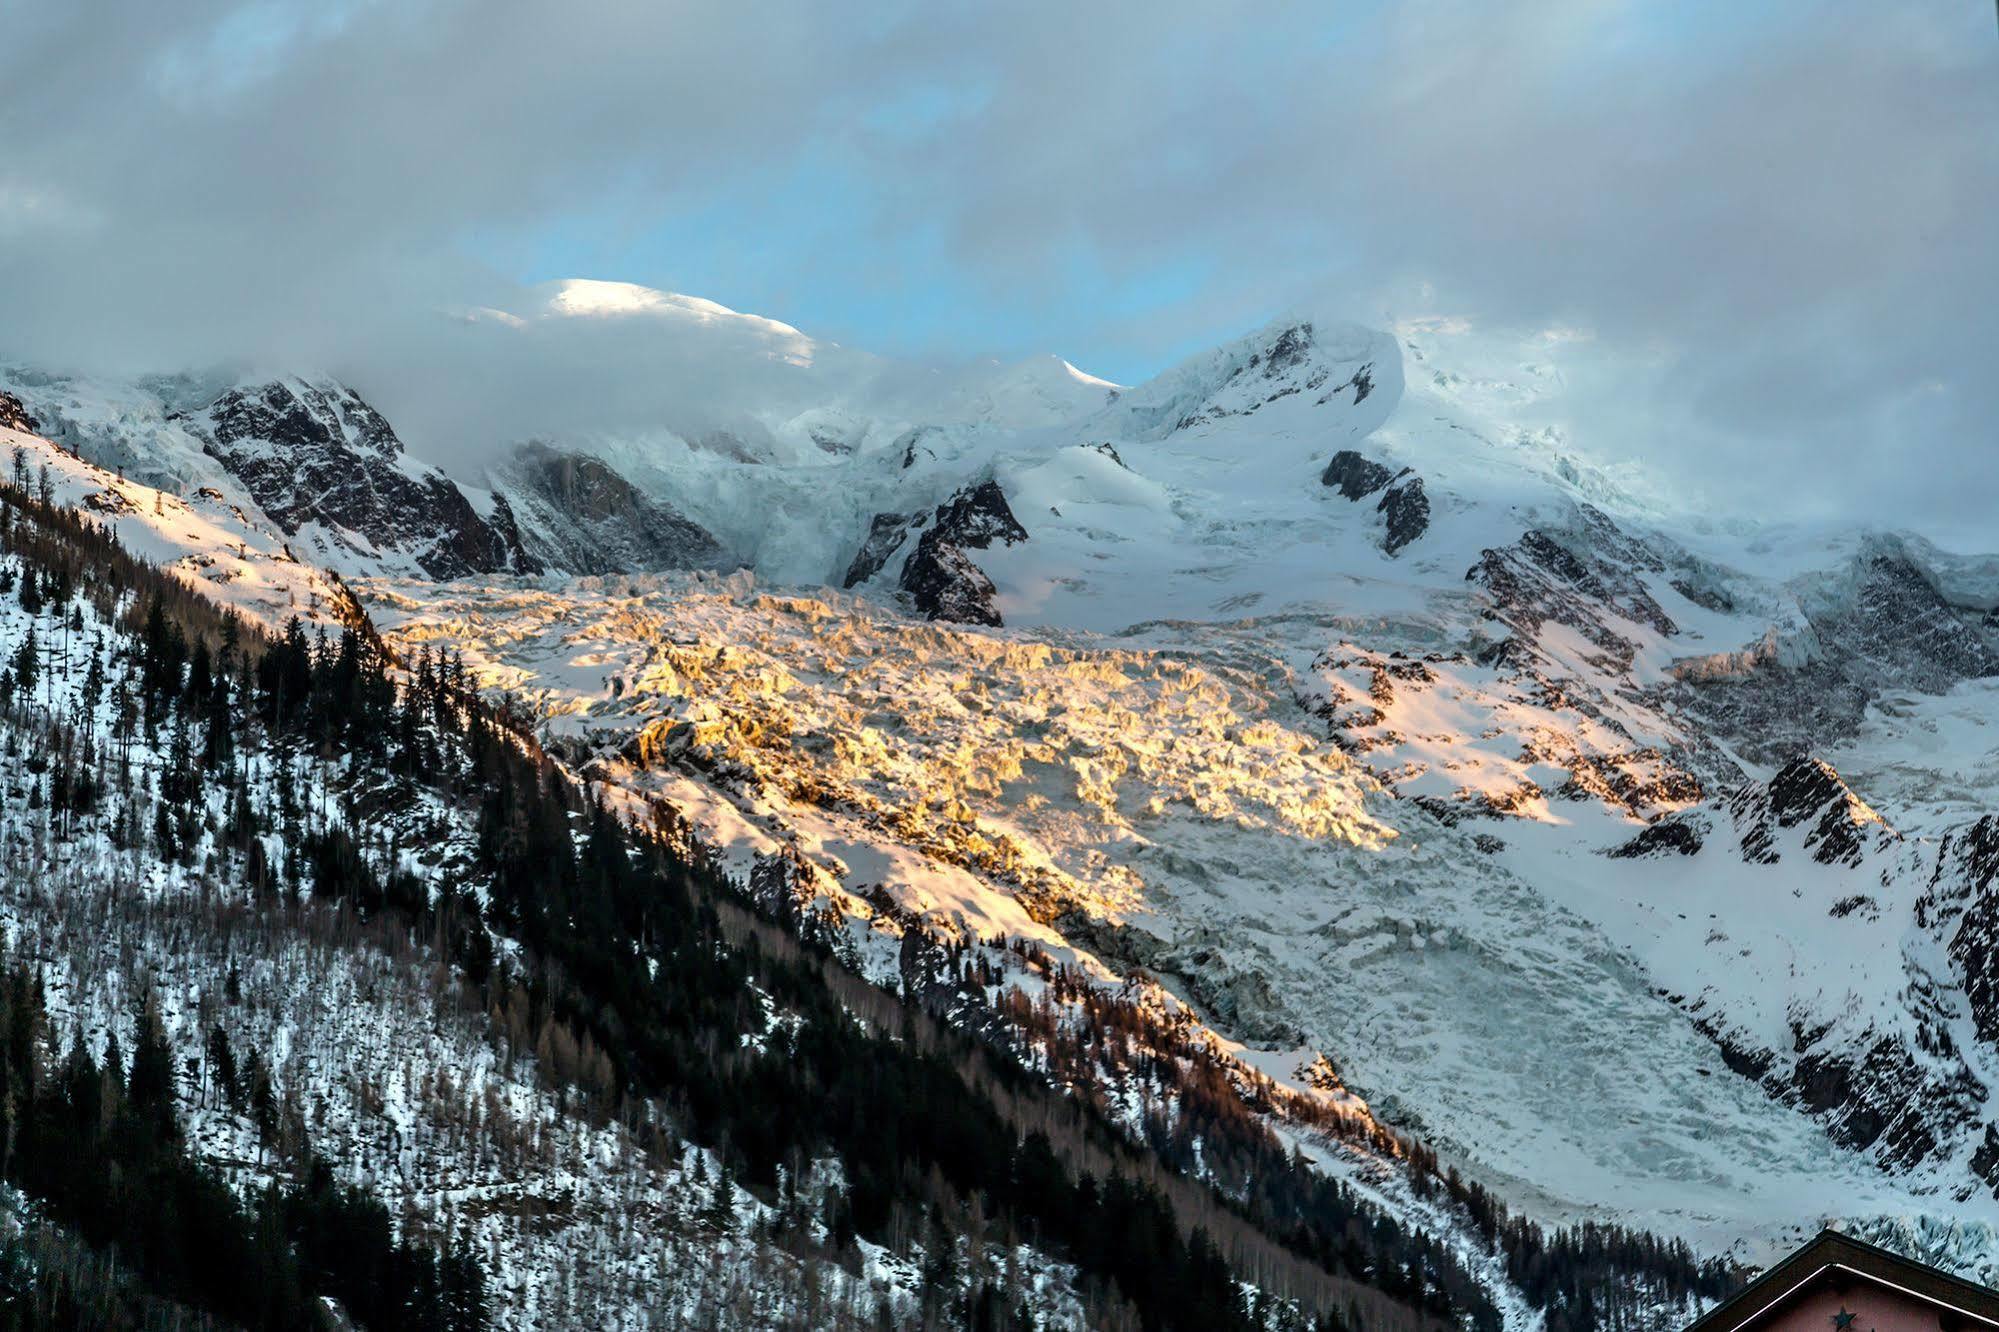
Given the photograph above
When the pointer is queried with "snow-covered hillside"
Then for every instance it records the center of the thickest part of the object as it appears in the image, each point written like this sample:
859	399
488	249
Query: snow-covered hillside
1411	731
1634	860
306	458
230	555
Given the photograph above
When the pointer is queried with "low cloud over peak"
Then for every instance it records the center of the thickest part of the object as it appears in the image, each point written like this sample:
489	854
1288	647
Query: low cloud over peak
1780	216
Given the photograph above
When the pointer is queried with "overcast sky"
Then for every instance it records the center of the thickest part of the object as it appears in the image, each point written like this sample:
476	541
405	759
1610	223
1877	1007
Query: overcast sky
1786	210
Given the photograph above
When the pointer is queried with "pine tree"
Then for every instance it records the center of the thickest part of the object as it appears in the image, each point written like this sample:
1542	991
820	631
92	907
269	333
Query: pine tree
222	1066
150	1089
27	663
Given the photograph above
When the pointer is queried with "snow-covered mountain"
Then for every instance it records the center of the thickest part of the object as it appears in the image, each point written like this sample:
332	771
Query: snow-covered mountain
1323	690
308	456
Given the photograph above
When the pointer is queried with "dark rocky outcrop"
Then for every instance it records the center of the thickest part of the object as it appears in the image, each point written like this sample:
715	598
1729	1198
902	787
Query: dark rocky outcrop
1587	580
1355	475
1901	628
1879	1094
316	454
1806	790
978	516
940	576
1407	509
1965	887
1667	837
886	533
13	416
1403	502
1777	712
580	515
948	586
507	529
1985	1161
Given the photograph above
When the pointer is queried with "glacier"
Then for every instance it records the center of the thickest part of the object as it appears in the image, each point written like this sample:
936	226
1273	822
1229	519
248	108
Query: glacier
1343	777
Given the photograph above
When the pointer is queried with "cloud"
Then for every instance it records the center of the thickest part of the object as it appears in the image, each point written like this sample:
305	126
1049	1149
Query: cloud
1786	209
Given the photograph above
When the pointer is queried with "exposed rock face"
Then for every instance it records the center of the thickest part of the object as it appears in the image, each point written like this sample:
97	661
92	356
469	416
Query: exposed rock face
948	586
1885	625
1778	711
942	578
1901	628
886	533
1887	1097
316	454
506	528
16	417
578	514
1355	475
1407	509
1967	881
1810	787
1806	790
1588	580
1668	837
297	415
978	516
1402	499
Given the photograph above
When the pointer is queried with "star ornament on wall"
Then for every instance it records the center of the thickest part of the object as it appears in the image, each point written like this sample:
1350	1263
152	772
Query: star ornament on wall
1842	1320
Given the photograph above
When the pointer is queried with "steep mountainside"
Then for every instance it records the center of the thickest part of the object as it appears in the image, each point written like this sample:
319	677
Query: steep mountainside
324	465
1310	759
578	515
306	457
1525	661
424	1035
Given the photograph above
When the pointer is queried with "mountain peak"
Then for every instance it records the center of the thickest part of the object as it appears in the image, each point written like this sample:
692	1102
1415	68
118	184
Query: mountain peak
1303	363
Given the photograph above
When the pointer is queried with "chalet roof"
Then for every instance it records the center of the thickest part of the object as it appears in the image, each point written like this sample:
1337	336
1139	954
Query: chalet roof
1974	1306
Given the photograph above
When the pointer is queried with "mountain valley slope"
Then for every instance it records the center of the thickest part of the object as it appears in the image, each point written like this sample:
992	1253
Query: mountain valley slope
1634	861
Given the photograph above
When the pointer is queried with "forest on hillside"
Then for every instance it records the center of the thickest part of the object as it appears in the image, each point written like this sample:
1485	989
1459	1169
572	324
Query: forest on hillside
213	783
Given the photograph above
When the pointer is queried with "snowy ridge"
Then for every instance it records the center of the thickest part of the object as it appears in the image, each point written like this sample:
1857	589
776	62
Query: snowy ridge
307	457
215	546
1319	362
